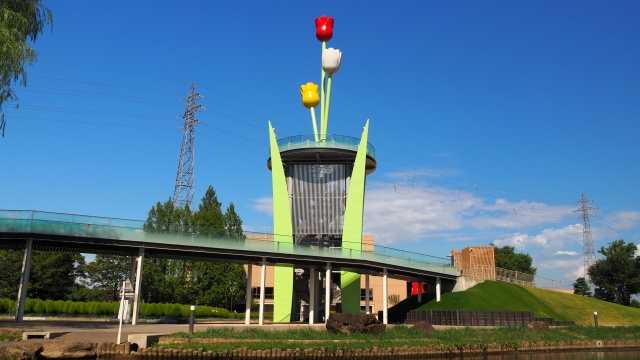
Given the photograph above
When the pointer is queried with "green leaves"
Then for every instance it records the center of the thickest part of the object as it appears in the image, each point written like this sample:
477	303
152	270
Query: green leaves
211	282
617	276
506	258
21	21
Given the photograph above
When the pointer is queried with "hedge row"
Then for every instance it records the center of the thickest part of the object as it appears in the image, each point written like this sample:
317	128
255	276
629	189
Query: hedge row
71	308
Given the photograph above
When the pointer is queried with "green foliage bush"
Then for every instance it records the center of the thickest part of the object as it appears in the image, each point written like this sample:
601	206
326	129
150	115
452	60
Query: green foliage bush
29	306
50	307
220	313
174	310
39	307
72	309
36	306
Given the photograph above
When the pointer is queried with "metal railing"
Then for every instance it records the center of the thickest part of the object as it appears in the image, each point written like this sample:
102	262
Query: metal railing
82	226
489	272
331	141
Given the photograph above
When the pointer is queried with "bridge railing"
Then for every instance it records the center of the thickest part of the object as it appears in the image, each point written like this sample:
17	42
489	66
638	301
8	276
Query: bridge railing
490	272
79	226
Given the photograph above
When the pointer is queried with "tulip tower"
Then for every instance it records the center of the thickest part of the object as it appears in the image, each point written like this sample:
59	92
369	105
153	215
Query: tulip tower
318	194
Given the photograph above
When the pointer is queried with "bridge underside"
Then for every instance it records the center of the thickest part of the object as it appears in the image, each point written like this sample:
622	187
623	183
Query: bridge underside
88	245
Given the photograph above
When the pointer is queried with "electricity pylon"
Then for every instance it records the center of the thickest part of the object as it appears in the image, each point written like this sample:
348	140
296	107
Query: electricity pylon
183	192
587	240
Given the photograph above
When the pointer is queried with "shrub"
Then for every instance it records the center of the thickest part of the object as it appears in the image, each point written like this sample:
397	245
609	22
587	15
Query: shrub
115	307
185	311
93	308
50	307
220	313
28	306
39	307
82	308
58	305
174	310
73	308
145	309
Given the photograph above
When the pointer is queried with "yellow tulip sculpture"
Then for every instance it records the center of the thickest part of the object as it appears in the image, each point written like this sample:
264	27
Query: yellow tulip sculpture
310	100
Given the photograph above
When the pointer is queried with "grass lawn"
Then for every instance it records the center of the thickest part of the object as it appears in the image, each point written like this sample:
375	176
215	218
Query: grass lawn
395	336
501	296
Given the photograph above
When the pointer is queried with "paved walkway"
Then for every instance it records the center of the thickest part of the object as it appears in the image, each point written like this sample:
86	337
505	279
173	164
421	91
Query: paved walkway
100	331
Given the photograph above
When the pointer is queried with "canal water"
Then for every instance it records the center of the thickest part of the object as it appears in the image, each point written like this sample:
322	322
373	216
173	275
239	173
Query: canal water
576	355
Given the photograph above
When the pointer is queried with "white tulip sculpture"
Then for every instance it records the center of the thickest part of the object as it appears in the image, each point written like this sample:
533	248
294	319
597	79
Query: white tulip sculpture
330	64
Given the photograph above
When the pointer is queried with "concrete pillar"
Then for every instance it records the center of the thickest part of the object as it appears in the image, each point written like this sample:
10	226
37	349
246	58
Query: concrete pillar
248	299
138	287
263	276
367	294
312	295
24	280
419	292
385	297
327	293
437	289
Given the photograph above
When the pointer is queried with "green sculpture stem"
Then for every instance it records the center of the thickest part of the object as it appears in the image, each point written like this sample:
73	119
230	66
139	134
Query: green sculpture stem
313	121
325	123
324	46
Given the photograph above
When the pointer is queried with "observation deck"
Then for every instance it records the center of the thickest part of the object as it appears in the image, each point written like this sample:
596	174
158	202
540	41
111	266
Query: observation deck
333	149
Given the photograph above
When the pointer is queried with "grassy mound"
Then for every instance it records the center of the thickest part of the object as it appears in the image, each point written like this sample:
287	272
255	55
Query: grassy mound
500	296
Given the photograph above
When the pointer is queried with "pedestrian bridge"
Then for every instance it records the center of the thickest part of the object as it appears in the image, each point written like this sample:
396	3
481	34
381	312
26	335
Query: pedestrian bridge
95	235
20	229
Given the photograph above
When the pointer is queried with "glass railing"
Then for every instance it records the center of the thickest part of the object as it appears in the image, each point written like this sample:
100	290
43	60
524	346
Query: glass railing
331	141
46	223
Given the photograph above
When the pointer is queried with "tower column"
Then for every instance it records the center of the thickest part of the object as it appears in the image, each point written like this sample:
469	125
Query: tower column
385	297
24	281
327	293
248	295
138	287
312	295
263	276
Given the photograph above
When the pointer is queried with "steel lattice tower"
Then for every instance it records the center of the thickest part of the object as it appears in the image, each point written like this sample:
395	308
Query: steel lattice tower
587	240
183	192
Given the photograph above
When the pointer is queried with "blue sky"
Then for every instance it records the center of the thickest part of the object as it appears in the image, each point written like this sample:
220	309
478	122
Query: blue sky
489	119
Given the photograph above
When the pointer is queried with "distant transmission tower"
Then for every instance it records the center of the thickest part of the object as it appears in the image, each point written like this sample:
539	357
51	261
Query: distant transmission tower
183	192
587	241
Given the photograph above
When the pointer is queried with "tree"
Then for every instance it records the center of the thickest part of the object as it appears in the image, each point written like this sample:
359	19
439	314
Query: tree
209	219
105	274
581	287
211	282
21	21
616	276
11	265
506	258
233	223
53	274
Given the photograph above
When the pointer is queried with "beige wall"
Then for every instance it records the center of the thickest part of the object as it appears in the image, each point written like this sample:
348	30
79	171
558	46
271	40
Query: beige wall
395	286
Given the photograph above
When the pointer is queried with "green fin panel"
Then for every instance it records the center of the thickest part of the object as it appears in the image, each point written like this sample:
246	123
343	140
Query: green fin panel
282	292
352	232
283	234
350	289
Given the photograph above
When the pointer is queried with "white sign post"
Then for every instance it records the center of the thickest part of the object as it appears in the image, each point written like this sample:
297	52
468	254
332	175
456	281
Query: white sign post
121	312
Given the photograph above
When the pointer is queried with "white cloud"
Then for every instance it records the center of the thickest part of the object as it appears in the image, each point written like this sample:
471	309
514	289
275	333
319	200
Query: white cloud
622	220
568	253
551	240
263	205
